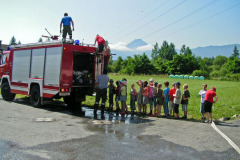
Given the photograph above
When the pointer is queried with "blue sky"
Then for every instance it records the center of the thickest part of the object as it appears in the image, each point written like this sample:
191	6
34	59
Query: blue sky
120	22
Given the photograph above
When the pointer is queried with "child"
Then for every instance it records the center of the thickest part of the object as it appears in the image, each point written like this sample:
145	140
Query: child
160	99
150	95
132	99
166	98
202	93
176	100
123	97
154	89
210	94
145	96
126	109
140	96
117	99
185	98
112	89
171	104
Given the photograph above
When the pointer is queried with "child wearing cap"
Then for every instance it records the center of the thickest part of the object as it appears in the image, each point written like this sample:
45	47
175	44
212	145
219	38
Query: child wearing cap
185	98
210	94
177	99
111	93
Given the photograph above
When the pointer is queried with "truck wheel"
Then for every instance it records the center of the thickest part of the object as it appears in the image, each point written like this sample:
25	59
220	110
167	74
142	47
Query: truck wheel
35	98
6	92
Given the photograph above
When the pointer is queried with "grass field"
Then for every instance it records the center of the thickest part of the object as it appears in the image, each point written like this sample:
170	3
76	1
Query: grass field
228	93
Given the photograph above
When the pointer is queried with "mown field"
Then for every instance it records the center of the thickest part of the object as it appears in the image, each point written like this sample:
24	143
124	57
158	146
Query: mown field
228	93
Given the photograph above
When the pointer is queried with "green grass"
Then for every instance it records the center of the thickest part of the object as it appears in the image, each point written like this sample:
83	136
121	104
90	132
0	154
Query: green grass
227	91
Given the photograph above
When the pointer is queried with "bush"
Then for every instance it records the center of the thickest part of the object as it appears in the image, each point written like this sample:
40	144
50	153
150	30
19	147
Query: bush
200	73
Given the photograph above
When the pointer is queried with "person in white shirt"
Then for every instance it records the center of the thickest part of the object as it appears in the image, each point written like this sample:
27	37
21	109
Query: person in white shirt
202	93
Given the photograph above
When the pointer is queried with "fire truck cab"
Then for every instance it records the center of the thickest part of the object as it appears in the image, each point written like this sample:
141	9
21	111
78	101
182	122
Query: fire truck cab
51	70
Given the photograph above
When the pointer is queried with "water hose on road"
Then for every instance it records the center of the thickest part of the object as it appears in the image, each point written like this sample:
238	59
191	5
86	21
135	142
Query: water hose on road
226	138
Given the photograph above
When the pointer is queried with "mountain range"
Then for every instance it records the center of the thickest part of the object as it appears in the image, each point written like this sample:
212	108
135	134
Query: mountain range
138	46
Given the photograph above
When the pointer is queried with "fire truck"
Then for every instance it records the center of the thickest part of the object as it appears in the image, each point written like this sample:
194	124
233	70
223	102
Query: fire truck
51	70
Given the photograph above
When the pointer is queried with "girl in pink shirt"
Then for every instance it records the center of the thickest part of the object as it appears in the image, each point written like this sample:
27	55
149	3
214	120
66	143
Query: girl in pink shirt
145	93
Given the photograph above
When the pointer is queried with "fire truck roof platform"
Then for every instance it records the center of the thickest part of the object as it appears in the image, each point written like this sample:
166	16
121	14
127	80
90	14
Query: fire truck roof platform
53	42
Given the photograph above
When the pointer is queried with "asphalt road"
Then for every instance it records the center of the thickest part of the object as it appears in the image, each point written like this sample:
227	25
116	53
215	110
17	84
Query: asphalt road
70	136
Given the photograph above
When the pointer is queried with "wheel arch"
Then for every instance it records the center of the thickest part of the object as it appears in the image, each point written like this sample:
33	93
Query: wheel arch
5	79
35	82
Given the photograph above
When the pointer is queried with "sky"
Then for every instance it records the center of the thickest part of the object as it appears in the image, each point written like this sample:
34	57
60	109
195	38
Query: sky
195	23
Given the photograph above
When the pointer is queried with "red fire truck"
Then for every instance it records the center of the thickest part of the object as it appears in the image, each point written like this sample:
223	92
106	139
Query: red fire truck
51	70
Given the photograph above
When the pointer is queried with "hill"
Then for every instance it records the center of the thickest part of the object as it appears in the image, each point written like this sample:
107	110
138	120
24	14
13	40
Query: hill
138	46
214	51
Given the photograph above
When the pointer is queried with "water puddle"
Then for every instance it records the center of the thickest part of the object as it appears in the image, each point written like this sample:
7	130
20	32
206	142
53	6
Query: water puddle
113	118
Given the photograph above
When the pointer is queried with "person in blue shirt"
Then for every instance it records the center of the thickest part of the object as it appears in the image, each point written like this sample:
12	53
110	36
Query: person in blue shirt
66	21
101	86
166	99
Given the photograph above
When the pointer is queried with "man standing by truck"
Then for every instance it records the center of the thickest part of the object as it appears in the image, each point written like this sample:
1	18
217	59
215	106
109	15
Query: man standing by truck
66	21
101	85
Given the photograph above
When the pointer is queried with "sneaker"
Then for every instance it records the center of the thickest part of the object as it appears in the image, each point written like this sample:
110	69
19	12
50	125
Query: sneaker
184	117
153	115
210	121
206	121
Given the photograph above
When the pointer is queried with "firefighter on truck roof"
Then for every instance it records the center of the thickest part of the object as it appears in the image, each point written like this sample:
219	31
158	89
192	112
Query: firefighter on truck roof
101	43
66	21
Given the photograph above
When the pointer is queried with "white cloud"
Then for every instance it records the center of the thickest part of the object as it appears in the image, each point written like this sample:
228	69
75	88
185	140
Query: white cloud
120	46
145	48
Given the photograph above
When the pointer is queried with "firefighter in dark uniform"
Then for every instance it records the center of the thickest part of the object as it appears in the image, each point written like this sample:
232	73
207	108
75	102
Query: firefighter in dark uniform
101	85
66	21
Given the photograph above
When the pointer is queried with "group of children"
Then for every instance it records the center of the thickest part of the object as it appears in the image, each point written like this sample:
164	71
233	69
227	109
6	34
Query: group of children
150	94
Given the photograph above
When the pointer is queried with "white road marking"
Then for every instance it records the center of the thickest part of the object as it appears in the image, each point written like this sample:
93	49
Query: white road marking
226	138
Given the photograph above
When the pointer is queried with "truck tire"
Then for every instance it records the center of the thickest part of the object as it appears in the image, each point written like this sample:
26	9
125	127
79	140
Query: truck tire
35	98
6	92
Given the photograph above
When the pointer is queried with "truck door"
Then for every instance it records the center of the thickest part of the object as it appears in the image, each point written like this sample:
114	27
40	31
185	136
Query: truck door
99	64
2	65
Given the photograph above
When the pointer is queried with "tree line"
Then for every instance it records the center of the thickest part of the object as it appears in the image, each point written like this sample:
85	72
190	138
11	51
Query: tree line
165	60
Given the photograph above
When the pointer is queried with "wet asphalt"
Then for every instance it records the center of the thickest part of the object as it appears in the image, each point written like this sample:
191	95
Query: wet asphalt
72	136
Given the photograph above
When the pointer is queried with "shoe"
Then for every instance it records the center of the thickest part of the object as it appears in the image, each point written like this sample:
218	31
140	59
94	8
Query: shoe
202	118
122	113
206	121
210	121
153	115
149	114
95	113
184	117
